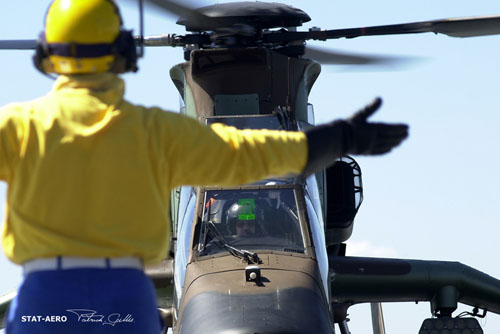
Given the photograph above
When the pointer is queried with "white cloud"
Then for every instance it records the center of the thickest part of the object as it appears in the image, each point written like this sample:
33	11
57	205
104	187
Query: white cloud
368	249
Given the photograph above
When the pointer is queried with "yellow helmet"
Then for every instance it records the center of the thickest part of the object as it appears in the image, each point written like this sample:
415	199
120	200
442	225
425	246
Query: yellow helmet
85	36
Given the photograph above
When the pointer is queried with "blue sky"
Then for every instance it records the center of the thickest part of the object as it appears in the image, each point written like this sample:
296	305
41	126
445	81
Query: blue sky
433	198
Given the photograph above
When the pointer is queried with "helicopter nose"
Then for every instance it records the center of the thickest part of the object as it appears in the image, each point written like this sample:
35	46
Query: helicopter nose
291	311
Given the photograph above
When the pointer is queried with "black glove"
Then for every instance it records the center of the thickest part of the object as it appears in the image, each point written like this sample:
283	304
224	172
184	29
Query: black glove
355	135
373	138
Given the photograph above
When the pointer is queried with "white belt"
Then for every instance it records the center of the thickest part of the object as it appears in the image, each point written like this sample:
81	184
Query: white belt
68	262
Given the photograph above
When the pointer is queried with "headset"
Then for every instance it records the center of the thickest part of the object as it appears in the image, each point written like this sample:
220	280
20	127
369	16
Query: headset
123	49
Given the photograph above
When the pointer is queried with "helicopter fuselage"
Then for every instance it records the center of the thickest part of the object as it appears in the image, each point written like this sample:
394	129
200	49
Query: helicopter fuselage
250	88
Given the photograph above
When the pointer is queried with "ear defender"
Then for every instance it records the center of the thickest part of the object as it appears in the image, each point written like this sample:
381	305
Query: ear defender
125	51
41	53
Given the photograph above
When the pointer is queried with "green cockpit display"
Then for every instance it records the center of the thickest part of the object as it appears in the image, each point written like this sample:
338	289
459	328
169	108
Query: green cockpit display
246	209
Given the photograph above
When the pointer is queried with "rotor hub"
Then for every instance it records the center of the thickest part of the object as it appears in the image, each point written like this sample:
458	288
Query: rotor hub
259	15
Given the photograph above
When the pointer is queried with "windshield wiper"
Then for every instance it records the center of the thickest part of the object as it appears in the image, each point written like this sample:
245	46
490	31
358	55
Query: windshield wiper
219	239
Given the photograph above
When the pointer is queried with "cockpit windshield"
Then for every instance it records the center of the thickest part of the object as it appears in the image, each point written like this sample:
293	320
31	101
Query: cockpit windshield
271	122
250	219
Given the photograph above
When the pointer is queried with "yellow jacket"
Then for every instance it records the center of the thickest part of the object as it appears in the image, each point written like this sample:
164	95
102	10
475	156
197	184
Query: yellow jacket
90	174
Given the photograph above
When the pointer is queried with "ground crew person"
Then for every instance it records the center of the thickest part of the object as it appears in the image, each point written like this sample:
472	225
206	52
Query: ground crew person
90	175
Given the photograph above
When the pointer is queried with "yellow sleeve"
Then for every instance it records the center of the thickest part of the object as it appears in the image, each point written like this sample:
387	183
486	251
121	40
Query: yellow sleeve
11	133
223	155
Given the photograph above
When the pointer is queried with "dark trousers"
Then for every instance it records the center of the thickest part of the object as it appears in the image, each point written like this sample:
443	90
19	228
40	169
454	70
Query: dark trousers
85	301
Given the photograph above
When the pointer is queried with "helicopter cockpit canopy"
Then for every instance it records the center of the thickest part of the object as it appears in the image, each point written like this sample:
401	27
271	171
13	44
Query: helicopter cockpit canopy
251	219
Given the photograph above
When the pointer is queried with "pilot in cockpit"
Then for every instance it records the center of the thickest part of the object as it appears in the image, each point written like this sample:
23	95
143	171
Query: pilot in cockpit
244	219
258	220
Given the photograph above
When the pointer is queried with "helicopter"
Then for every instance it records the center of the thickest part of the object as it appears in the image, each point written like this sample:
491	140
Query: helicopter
230	255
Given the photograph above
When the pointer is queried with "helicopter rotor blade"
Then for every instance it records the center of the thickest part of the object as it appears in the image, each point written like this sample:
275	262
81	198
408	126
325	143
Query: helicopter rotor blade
456	27
18	44
182	11
330	57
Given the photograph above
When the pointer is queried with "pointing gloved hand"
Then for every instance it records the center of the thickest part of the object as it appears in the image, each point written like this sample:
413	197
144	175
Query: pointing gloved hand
355	135
373	138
